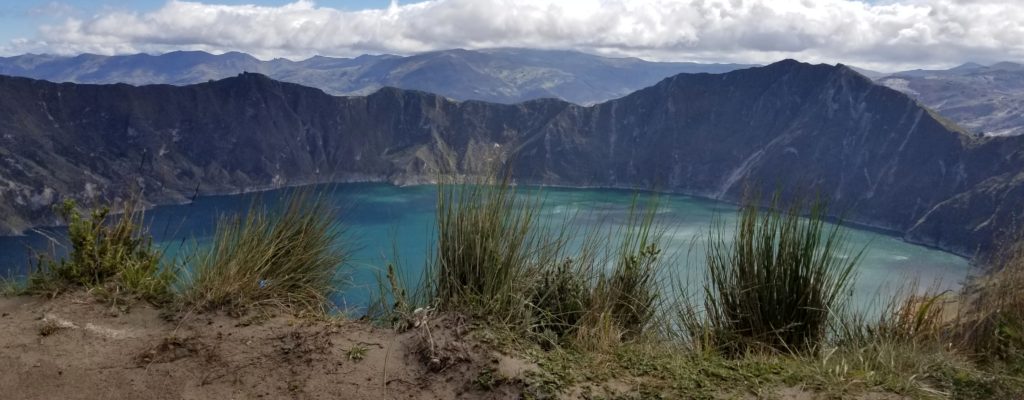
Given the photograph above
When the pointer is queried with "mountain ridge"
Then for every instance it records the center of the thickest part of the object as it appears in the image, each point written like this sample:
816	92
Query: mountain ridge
505	75
824	129
985	99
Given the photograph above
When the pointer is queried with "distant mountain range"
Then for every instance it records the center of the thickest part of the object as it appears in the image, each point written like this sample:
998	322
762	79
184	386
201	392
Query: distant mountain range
499	75
883	160
986	100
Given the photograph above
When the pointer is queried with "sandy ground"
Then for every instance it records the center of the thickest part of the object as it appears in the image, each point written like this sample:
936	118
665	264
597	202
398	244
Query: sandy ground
74	348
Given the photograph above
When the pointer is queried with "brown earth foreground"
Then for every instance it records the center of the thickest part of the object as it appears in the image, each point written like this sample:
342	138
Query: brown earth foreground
73	347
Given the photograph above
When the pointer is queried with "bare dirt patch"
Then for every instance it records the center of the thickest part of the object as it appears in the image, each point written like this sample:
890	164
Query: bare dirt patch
75	348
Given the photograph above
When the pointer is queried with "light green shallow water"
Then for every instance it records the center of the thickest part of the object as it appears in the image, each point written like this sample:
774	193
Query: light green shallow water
381	217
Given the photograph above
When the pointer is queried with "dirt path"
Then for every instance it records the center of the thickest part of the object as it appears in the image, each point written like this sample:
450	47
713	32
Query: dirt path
74	348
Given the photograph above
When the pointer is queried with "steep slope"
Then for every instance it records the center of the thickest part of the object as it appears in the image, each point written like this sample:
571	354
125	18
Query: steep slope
884	160
498	75
987	100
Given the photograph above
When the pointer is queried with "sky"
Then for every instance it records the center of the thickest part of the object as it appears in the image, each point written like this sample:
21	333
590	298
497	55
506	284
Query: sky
886	35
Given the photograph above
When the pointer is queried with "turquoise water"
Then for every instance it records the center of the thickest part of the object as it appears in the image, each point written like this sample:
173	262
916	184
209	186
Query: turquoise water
380	218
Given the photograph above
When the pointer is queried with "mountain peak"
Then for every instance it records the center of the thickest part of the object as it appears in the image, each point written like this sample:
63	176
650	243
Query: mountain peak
252	77
789	62
967	66
789	65
187	52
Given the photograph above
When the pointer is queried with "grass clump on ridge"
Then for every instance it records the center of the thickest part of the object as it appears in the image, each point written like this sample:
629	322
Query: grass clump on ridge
778	282
288	256
495	259
109	255
489	246
626	300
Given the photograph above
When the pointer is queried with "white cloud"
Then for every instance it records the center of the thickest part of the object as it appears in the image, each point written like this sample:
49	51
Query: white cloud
888	35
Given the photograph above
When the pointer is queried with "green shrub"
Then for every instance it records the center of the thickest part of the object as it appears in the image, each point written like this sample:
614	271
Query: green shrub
778	281
286	256
113	255
562	298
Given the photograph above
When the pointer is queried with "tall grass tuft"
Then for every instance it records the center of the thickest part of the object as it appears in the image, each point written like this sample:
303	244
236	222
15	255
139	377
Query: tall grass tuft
778	281
497	259
913	314
625	300
111	255
289	255
489	250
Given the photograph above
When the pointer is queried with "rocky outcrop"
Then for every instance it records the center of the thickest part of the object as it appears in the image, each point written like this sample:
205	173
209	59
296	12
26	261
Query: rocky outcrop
879	156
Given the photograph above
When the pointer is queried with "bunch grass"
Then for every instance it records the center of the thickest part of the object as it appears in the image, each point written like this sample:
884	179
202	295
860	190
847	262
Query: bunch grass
289	255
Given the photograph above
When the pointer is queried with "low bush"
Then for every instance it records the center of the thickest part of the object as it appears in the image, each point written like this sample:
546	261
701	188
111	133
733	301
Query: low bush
110	255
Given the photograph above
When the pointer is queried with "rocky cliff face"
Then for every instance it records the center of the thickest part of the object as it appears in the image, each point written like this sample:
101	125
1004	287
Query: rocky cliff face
880	157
